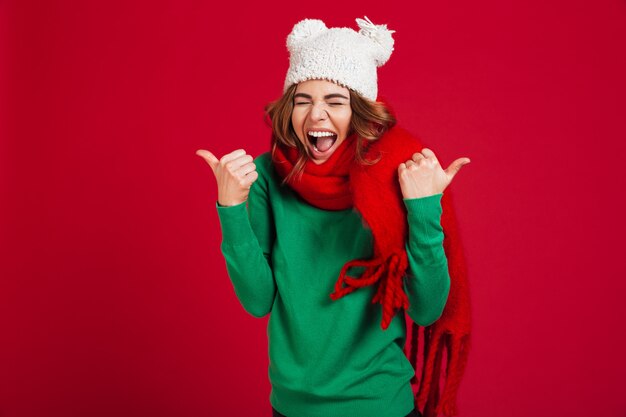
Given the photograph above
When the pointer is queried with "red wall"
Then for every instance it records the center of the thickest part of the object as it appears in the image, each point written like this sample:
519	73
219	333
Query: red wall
114	298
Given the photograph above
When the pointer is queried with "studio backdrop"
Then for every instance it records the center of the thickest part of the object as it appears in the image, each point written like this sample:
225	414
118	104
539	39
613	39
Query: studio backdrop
114	297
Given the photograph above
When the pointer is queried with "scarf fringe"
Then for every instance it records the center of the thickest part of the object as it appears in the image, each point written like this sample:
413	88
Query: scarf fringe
389	275
436	343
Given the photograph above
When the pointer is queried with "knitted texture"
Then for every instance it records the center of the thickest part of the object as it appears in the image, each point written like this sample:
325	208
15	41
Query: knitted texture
341	55
376	195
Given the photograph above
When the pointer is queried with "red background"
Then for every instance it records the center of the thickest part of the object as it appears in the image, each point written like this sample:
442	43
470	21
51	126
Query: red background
114	298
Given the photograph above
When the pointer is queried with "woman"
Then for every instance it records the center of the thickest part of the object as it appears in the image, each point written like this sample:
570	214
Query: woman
332	209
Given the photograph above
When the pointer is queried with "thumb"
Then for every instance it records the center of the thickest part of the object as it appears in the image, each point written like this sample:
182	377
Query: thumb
209	158
456	166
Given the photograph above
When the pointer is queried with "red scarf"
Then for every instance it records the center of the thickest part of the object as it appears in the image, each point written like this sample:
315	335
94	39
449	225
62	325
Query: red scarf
374	191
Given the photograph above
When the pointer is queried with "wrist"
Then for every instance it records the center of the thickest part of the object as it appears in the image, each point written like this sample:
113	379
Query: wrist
420	194
229	203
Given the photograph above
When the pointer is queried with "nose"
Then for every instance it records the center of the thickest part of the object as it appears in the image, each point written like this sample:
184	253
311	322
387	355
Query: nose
318	112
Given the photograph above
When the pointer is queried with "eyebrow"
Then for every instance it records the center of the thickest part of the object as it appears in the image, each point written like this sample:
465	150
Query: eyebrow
326	97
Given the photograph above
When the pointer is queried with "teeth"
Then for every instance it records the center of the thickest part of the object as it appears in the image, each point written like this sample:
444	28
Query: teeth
321	134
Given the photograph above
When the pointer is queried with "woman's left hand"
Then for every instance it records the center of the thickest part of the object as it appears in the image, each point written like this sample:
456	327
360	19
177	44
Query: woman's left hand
422	176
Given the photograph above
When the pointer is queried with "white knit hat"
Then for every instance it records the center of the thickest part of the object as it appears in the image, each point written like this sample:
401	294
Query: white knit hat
341	55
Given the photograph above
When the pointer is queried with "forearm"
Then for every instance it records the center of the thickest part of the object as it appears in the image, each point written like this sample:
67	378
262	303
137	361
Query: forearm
427	282
247	264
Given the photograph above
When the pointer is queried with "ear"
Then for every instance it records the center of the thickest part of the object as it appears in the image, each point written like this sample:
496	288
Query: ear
303	30
380	37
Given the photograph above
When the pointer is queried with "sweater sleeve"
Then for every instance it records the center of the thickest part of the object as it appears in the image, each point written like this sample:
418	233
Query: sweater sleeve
427	283
247	238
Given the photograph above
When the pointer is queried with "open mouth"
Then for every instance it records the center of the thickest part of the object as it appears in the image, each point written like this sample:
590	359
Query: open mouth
321	141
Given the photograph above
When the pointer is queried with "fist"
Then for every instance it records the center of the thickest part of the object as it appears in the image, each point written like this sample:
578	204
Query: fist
235	173
422	176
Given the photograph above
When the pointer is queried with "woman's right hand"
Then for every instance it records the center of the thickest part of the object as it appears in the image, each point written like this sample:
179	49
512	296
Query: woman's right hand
235	173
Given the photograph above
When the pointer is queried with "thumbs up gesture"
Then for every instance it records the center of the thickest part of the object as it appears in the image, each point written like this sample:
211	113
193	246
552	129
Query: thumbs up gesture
422	176
235	173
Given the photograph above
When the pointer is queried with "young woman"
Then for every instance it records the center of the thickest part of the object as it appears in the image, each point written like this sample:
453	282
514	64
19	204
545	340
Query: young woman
335	231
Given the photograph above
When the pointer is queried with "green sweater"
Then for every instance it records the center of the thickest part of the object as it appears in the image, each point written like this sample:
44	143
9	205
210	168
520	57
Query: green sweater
329	358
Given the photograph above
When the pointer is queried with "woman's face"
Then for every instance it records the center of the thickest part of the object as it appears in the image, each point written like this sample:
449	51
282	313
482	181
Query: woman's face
321	117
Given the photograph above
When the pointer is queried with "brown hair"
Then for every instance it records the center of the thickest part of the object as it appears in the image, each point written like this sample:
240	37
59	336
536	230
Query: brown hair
370	120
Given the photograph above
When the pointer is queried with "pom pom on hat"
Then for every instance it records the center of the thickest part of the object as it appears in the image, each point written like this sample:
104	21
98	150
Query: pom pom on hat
341	55
304	30
381	36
